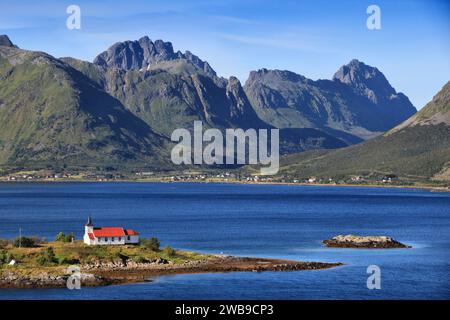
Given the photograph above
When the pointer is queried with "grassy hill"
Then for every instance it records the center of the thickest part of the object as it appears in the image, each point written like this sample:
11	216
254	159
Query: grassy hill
415	151
52	114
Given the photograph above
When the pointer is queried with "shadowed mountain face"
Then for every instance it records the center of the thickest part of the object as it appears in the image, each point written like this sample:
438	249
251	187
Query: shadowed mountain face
177	95
168	89
368	82
418	149
358	102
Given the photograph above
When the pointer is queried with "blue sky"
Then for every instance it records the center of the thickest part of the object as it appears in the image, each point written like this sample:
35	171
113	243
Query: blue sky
312	38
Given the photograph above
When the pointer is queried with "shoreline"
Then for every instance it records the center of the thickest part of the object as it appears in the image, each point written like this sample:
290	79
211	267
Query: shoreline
414	187
106	275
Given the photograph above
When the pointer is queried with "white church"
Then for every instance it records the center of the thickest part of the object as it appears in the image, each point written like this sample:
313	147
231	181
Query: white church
109	235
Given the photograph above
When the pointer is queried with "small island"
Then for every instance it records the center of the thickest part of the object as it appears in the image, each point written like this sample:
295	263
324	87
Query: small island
33	263
363	242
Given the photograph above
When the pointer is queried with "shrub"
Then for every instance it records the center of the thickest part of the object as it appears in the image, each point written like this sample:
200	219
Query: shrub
46	257
140	259
60	237
26	242
152	243
64	238
5	257
169	251
70	237
4	243
62	260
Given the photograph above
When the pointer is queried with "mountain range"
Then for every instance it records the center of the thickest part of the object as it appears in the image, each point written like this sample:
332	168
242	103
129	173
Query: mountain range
123	107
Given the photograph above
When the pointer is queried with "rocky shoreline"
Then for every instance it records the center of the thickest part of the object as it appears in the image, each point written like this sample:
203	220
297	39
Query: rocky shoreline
101	274
364	242
14	280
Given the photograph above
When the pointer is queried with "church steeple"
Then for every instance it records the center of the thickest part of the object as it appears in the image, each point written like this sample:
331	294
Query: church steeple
89	222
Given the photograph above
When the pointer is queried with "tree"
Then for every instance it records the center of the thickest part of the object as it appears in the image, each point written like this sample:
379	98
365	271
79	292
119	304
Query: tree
70	237
64	238
60	237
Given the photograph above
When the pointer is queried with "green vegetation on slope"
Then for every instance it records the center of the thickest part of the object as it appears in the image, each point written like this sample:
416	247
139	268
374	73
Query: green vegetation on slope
55	254
417	150
414	154
51	114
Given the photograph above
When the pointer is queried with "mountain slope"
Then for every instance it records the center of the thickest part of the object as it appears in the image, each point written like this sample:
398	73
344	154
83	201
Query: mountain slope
173	94
416	150
168	100
51	114
170	90
359	102
124	107
435	112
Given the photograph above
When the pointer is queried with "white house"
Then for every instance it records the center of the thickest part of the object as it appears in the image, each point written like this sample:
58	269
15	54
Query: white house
108	236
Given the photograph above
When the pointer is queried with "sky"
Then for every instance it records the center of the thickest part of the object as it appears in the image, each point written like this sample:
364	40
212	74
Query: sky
312	38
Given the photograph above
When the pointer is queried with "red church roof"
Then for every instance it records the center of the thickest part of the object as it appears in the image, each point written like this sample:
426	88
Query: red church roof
113	232
131	232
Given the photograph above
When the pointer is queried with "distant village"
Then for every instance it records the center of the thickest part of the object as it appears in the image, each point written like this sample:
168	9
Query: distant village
246	178
226	176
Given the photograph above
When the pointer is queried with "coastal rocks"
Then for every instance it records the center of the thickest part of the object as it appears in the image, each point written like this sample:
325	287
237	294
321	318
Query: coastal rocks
297	266
368	242
128	271
45	280
125	264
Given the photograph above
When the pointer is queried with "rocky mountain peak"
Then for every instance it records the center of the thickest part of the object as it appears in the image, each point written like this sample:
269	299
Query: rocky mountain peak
5	41
280	75
366	81
140	54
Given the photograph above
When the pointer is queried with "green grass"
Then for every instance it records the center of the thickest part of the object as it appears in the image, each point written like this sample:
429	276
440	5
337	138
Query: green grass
415	154
29	260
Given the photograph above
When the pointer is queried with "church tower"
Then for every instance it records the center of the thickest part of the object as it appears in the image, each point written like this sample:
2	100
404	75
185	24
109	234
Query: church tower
89	226
88	229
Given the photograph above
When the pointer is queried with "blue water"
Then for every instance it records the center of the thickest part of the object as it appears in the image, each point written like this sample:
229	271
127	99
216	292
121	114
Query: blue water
249	220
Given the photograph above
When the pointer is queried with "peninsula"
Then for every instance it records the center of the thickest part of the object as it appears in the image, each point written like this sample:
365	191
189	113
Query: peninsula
50	264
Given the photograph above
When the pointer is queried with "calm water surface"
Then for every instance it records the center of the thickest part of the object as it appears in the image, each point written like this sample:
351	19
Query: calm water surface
249	220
